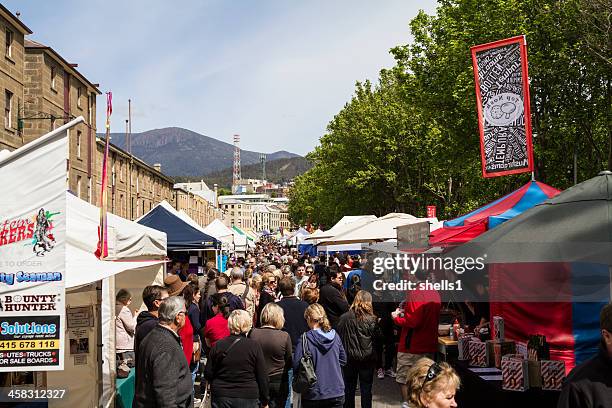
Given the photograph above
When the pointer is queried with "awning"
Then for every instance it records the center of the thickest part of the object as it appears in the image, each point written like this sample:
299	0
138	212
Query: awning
181	235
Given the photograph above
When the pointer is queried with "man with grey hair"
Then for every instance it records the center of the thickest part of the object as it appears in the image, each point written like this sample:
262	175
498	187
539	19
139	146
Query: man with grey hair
163	378
241	289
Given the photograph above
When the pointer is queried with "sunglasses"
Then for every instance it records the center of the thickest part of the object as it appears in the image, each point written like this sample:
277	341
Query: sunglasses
432	373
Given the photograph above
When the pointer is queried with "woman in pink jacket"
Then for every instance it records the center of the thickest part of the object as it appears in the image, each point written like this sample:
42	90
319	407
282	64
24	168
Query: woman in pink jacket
125	324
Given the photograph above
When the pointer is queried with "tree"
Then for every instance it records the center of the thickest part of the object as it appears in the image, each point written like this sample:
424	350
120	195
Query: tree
412	138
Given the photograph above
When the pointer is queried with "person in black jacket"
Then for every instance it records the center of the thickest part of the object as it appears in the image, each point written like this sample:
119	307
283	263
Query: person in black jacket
152	296
332	299
361	337
163	378
589	385
293	308
236	368
295	323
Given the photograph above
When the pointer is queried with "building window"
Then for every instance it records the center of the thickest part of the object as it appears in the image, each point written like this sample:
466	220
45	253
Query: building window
78	143
8	43
8	108
79	96
91	109
78	187
53	77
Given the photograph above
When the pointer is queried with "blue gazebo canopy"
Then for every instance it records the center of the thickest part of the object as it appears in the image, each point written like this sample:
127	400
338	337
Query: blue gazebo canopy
181	235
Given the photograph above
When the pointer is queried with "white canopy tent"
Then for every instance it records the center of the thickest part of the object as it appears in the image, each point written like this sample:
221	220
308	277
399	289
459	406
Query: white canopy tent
346	224
380	229
136	258
222	232
298	237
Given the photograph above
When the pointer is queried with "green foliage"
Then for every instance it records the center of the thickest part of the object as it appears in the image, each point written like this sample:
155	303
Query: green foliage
411	140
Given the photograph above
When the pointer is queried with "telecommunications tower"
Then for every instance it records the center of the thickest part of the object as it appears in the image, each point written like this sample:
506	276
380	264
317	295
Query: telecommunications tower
236	175
262	160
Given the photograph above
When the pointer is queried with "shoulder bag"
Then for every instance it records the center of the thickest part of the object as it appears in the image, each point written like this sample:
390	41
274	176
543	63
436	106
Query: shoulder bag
305	376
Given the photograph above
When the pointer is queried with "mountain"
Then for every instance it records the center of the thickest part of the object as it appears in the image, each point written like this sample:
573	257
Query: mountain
183	152
277	171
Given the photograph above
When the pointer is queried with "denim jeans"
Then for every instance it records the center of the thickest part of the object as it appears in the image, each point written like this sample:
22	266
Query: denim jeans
288	403
193	377
366	378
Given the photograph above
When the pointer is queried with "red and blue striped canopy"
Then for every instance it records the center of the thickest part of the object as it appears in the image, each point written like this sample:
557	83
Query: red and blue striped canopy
470	225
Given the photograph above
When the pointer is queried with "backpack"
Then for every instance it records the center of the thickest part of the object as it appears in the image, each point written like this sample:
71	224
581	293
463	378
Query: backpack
305	376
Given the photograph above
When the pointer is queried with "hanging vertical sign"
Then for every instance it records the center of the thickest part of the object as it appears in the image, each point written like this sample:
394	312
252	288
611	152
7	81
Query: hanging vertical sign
431	211
33	254
502	101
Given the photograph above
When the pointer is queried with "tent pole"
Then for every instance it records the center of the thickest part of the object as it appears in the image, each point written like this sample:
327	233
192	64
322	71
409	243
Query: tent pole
99	340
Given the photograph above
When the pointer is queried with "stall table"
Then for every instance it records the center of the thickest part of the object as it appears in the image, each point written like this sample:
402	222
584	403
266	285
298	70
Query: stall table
481	387
447	348
125	390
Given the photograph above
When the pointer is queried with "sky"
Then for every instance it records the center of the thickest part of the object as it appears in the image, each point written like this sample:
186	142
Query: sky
273	71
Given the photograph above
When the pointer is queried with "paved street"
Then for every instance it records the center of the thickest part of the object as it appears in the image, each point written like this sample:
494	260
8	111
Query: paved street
386	394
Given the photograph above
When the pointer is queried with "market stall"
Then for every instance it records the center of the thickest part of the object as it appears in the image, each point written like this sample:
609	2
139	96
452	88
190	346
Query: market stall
550	268
186	242
136	258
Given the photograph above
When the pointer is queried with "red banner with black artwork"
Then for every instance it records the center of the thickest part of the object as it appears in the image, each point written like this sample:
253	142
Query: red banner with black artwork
502	101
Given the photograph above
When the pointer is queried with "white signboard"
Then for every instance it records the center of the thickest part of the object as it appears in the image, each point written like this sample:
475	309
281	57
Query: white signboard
33	255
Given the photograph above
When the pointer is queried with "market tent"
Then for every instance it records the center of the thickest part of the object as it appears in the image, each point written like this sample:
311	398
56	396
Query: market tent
297	237
309	249
550	268
181	235
136	258
346	224
472	224
252	236
222	232
126	240
380	229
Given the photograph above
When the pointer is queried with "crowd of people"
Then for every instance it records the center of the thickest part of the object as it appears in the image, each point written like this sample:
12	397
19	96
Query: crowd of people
258	327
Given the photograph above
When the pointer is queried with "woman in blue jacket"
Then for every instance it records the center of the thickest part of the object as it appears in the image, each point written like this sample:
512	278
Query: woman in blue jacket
328	357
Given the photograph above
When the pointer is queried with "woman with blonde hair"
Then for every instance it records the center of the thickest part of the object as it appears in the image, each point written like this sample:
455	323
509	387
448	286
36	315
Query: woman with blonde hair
276	346
309	295
431	385
361	337
328	357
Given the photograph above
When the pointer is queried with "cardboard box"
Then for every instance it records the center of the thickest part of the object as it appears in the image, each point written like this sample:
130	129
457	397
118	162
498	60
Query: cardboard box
479	357
521	348
463	346
515	373
553	373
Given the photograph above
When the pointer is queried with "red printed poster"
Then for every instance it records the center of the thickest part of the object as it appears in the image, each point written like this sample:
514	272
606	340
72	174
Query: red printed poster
431	211
502	102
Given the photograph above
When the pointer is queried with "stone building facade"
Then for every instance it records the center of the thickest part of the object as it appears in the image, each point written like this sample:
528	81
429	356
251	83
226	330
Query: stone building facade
55	93
13	33
134	187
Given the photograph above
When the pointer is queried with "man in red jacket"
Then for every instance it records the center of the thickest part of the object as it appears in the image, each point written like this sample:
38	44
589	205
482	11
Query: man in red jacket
419	336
